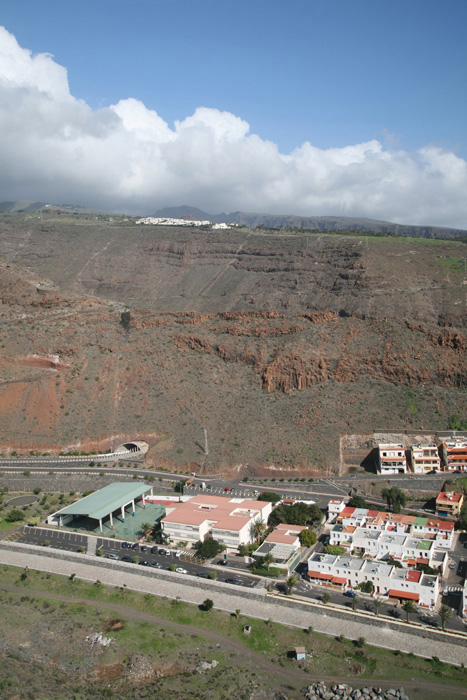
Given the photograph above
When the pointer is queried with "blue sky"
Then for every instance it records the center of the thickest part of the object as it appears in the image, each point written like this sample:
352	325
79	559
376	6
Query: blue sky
334	73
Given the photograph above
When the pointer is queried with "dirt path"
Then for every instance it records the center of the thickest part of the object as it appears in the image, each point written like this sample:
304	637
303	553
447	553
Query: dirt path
228	643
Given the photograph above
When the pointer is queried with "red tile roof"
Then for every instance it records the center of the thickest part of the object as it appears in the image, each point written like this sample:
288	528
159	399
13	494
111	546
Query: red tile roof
406	595
449	497
318	574
414	576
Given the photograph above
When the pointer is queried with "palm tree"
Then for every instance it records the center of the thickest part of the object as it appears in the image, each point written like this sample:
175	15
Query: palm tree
145	527
269	559
257	530
355	602
291	582
378	601
445	614
326	597
409	607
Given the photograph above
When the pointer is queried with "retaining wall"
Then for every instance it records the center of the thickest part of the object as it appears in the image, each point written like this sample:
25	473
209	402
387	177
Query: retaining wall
414	629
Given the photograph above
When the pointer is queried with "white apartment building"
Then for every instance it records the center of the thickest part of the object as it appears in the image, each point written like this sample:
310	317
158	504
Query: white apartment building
454	453
392	459
408	539
227	520
388	581
425	459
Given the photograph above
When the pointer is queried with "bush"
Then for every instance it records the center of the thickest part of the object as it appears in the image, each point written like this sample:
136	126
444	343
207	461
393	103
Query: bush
367	586
334	549
298	514
269	496
209	548
307	538
208	604
15	515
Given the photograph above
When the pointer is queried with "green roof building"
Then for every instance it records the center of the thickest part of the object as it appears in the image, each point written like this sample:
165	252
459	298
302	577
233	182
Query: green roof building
103	504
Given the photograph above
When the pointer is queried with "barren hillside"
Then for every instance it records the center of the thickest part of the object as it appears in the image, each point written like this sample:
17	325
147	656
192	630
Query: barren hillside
277	344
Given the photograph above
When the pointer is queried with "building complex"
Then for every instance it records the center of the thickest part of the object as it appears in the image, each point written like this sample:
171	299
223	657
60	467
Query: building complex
230	521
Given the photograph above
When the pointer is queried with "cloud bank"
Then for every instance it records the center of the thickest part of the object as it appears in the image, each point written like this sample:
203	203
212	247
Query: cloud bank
55	148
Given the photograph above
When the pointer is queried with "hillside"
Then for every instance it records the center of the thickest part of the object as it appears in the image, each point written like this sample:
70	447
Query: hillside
278	344
315	223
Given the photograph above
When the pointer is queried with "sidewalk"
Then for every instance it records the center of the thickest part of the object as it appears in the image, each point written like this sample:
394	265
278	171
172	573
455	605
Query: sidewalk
352	625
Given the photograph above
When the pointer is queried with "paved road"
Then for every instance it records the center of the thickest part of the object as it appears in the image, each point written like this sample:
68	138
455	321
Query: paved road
164	556
351	625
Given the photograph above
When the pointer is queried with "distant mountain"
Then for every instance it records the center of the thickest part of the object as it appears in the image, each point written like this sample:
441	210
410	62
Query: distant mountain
26	205
320	223
269	221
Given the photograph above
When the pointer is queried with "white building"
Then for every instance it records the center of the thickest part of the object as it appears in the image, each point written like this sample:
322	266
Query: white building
408	539
388	581
227	520
392	459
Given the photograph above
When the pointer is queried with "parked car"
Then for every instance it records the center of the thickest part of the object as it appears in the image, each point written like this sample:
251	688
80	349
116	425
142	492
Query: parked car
161	551
350	594
154	550
168	552
124	544
111	555
144	548
203	574
178	552
222	562
453	565
234	581
135	545
227	490
127	558
143	562
179	570
208	487
155	564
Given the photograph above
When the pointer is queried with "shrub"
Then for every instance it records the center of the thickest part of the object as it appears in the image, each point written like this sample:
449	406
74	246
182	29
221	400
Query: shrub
15	515
269	496
208	604
209	548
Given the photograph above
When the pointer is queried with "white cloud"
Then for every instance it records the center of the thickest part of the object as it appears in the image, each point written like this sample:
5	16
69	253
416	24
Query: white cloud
54	147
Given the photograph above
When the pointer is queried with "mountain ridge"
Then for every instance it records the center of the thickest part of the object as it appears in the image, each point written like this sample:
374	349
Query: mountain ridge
254	220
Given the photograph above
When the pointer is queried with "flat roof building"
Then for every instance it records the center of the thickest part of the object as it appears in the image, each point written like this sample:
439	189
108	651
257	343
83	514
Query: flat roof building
392	459
425	459
454	454
449	503
227	520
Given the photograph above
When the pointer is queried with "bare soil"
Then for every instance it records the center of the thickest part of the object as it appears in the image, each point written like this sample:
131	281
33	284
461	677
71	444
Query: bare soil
277	344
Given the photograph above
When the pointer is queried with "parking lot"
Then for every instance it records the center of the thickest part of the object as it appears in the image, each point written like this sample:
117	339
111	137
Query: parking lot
157	557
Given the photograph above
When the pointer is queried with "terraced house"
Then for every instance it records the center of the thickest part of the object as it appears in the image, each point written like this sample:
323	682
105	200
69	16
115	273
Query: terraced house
388	581
407	539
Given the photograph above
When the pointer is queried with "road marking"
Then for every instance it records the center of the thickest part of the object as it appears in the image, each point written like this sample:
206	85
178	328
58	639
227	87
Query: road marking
15	536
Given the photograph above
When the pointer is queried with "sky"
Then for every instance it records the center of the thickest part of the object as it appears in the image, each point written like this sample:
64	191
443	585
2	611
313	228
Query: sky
306	107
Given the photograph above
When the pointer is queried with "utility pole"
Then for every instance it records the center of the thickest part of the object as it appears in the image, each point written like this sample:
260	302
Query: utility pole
206	449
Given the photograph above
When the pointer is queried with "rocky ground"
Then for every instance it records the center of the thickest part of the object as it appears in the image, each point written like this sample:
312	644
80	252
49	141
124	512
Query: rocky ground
319	691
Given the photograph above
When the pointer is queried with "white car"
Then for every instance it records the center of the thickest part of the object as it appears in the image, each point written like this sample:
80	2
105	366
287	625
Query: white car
178	552
179	570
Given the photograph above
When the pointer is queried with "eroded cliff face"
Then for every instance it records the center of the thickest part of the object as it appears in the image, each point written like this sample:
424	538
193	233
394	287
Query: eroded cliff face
319	345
